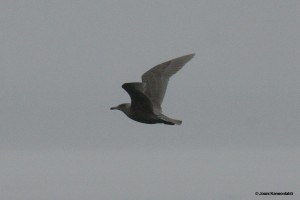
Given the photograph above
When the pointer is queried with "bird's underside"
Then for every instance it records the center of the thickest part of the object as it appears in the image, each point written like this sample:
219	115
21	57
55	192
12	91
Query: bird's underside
142	108
147	96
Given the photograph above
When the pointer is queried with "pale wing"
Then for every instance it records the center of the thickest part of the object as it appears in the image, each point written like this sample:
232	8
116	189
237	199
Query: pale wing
157	78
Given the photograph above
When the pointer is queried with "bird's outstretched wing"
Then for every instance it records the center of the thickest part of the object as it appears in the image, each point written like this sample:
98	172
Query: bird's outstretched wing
139	101
156	79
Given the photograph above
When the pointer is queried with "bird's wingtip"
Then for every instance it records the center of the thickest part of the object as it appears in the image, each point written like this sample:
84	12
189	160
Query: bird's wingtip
192	55
188	56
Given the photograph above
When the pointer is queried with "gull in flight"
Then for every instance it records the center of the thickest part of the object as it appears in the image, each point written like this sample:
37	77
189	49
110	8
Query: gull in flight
147	96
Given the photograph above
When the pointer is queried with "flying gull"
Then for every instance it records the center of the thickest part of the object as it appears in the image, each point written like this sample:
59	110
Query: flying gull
147	96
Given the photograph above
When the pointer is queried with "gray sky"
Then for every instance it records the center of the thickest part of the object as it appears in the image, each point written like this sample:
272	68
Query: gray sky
62	64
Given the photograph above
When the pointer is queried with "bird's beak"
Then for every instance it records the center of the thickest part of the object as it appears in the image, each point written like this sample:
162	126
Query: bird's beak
114	108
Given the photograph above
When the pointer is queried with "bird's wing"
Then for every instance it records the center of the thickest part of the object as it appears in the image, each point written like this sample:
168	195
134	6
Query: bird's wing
139	101
157	78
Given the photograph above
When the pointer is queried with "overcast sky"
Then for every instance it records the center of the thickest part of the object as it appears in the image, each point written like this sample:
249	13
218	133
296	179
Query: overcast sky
62	64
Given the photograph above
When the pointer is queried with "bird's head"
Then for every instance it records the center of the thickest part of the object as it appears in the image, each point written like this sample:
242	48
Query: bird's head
122	107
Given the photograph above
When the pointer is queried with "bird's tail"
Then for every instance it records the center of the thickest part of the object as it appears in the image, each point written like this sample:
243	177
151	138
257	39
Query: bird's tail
168	120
